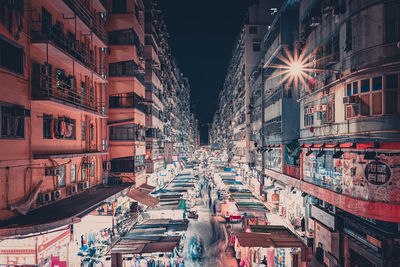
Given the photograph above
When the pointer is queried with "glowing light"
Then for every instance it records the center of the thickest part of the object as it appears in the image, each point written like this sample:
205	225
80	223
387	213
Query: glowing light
296	68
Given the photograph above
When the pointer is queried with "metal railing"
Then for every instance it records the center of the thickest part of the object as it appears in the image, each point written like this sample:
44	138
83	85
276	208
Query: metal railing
45	86
56	35
89	18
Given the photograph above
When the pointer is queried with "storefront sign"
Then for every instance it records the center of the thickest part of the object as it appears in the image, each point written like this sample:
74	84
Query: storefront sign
168	150
377	173
354	176
323	216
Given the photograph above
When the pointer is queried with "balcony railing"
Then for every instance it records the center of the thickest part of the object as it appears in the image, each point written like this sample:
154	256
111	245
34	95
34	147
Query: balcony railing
89	18
46	87
71	46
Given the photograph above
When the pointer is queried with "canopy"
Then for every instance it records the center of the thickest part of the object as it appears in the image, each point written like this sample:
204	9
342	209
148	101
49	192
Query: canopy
143	197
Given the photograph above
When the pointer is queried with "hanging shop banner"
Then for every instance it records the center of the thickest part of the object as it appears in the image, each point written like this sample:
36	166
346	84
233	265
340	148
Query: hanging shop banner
352	175
168	152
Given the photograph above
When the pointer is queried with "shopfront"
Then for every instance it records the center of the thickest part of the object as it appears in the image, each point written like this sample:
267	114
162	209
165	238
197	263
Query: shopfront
369	241
48	249
292	205
91	240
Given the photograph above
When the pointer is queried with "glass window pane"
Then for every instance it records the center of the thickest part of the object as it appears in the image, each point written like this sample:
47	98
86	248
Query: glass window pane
377	83
392	81
61	176
73	173
348	91
355	88
365	86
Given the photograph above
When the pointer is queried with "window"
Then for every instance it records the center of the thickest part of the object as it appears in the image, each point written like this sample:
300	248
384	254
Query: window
365	87
104	144
348	91
127	100
256	47
73	173
127	132
47	133
83	130
126	37
371	102
377	83
11	56
123	68
355	88
91	132
119	6
64	128
126	164
92	168
83	173
253	29
12	121
61	176
308	118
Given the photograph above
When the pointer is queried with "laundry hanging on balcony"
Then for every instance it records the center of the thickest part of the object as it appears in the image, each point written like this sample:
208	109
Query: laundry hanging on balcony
62	128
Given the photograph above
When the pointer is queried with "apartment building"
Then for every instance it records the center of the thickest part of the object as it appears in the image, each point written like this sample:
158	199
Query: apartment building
326	147
126	90
73	109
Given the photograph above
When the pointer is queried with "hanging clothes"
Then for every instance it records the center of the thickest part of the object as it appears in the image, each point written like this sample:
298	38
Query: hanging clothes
68	132
63	128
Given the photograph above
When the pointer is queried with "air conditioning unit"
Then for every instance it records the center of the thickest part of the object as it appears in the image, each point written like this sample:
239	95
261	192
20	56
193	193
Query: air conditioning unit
310	110
72	189
56	194
44	198
351	99
51	171
320	108
107	165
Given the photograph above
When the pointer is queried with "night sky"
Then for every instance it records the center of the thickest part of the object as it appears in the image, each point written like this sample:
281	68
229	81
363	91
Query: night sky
202	34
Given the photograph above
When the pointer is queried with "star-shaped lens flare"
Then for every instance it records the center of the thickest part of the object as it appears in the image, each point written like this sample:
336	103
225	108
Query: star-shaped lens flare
296	68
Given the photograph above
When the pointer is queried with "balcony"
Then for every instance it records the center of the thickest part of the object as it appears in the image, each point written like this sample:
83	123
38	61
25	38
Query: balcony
89	17
44	87
54	35
127	100
127	165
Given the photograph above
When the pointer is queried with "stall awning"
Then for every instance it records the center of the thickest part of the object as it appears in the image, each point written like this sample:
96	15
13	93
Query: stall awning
273	238
145	188
160	247
143	198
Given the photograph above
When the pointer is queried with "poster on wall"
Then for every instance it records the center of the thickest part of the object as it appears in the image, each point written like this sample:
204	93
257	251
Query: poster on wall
374	180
